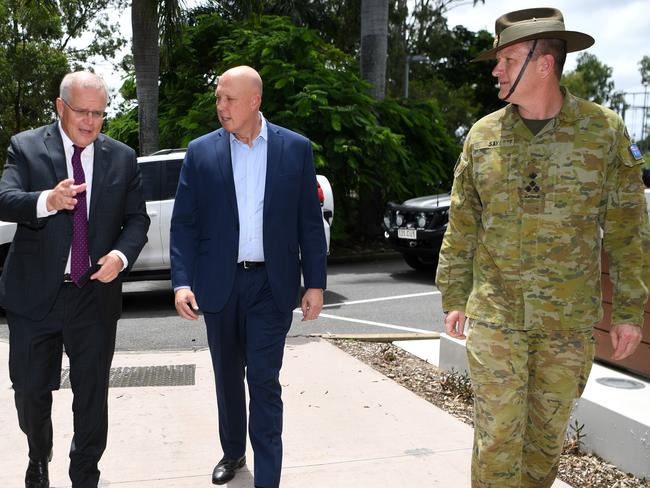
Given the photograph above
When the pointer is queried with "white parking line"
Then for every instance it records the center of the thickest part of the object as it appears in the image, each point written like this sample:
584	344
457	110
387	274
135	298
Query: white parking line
395	297
369	322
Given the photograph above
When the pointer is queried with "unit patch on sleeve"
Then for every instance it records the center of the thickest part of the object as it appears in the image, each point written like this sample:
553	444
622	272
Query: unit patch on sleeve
636	152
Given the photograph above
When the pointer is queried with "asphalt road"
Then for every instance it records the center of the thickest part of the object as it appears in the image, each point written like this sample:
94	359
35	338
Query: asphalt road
384	296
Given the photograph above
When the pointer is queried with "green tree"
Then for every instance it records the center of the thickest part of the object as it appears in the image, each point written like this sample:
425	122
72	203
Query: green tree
591	80
374	45
372	63
644	69
465	91
302	13
312	87
37	49
337	21
148	19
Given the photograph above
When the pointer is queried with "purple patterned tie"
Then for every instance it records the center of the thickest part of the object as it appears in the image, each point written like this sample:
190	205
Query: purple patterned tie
79	253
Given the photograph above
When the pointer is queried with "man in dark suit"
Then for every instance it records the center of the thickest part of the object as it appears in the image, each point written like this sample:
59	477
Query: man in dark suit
77	198
246	220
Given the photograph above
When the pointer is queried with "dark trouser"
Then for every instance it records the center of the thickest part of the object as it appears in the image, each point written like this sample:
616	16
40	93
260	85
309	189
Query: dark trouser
35	352
247	339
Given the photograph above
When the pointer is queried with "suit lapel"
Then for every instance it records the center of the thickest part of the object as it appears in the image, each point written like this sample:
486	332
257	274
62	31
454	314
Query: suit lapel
224	165
101	160
273	159
54	145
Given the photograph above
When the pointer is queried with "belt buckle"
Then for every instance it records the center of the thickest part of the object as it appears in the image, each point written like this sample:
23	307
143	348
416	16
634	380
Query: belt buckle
246	265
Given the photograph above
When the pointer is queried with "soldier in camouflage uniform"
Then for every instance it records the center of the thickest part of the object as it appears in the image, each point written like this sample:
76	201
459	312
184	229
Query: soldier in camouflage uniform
539	186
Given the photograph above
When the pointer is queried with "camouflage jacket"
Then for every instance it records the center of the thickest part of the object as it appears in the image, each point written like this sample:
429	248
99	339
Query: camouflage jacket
528	215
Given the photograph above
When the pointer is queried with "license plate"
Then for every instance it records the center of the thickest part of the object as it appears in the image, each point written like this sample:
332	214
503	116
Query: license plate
407	233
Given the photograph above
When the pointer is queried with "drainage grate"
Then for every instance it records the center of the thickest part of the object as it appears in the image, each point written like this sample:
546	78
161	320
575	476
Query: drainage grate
170	375
621	383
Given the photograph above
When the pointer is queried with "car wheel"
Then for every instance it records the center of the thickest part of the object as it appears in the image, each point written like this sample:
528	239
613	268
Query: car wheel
421	264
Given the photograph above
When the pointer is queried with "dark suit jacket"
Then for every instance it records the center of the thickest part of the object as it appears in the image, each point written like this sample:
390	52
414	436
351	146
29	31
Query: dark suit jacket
205	222
34	268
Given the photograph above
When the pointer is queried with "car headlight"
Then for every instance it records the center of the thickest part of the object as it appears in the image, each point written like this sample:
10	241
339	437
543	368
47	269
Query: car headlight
387	221
399	219
422	220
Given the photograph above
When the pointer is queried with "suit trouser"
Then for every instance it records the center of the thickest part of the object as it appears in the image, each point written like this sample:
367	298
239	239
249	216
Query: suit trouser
247	340
35	353
525	384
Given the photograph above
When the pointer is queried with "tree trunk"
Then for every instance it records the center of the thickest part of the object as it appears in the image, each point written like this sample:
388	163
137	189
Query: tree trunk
374	51
374	45
146	58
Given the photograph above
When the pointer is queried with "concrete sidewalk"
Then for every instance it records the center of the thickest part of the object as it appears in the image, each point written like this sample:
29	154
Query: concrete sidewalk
346	425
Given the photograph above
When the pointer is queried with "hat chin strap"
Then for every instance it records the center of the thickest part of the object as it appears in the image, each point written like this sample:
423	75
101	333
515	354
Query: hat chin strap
521	71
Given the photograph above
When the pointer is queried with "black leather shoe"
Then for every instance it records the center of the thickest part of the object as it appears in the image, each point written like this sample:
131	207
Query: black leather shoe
37	474
224	471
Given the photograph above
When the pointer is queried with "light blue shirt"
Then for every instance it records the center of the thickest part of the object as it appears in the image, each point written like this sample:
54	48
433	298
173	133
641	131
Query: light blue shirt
249	172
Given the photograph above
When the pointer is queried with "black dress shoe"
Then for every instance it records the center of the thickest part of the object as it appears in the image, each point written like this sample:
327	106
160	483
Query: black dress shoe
224	471
37	474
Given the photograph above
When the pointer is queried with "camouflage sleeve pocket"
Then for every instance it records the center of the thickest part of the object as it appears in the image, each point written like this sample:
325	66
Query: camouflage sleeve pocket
461	166
630	182
458	188
629	160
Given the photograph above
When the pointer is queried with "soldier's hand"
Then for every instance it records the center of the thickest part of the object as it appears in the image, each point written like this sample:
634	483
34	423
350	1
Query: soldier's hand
625	339
62	196
455	324
185	303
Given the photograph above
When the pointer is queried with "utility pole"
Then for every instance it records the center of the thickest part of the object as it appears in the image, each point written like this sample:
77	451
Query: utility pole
418	58
645	116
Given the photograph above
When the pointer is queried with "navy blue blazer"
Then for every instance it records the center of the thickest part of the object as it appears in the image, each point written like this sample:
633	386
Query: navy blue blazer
204	241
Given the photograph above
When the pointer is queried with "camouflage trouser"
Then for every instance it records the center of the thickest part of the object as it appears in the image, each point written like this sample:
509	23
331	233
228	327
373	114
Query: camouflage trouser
525	384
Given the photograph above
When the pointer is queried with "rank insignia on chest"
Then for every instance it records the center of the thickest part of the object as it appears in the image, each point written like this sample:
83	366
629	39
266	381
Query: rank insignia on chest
532	185
531	194
636	152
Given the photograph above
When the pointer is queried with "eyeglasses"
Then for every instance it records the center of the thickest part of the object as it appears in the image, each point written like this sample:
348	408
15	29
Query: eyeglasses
79	112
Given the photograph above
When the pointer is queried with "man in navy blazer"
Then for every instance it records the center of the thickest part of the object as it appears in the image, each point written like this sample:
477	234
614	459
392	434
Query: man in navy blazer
246	220
57	176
